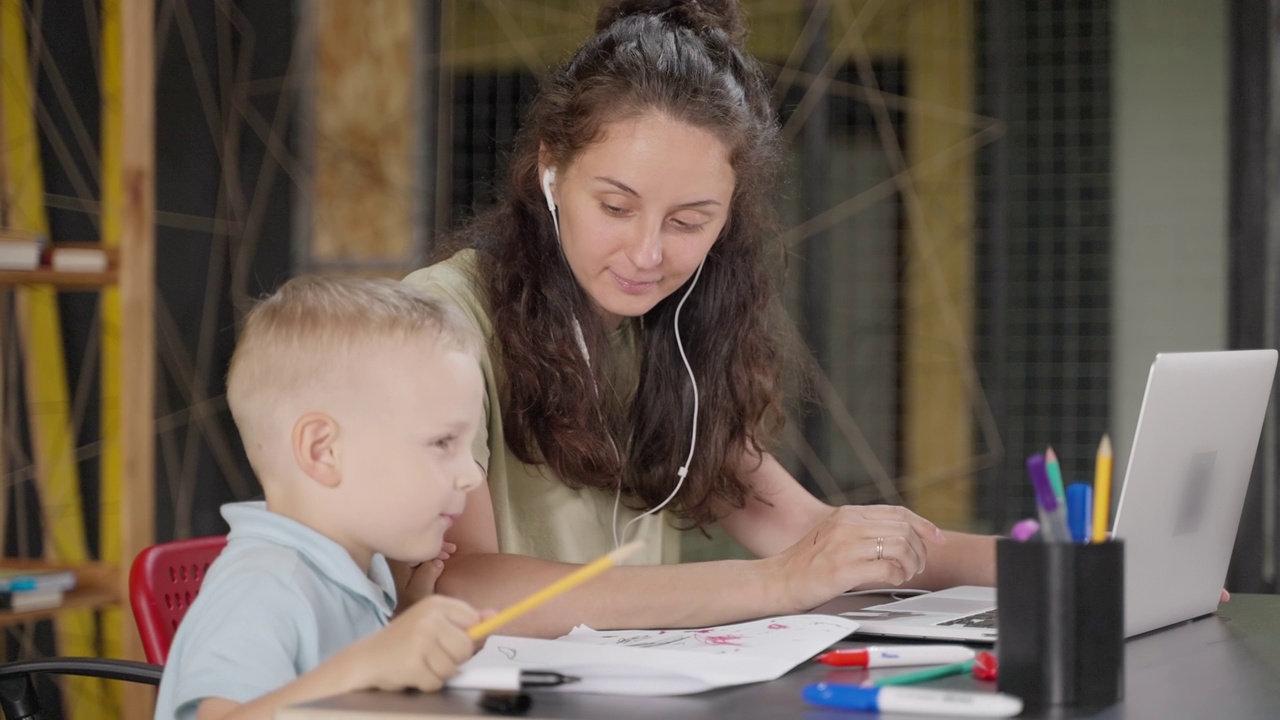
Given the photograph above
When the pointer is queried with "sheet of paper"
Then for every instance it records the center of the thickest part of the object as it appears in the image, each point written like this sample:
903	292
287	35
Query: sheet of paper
670	662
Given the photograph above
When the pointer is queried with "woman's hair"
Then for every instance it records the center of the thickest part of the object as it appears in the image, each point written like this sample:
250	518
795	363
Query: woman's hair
682	60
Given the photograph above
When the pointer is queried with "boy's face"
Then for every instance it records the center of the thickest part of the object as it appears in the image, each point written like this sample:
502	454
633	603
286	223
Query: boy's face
406	448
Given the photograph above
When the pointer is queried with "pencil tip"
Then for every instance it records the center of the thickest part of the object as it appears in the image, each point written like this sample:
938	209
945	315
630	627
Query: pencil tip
1050	456
1105	445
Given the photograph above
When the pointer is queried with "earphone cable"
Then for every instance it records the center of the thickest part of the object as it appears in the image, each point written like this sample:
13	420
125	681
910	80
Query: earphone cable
693	435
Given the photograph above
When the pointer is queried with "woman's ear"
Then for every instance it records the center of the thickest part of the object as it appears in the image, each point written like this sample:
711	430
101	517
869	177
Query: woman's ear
544	158
315	448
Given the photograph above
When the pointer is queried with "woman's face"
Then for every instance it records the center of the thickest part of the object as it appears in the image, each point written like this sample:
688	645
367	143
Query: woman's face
640	209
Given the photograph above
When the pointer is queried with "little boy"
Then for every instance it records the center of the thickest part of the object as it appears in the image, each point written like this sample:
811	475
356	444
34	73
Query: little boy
357	400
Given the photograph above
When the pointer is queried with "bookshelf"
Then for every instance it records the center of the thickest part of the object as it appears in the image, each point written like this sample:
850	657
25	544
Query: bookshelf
127	292
69	281
95	588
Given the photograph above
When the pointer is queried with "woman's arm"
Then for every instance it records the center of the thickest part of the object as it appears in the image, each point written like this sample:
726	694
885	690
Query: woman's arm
769	528
624	597
838	553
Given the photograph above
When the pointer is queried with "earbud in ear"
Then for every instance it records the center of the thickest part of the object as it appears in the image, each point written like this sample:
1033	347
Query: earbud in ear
548	177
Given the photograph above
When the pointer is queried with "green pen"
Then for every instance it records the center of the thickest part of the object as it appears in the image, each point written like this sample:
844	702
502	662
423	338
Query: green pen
1055	476
919	676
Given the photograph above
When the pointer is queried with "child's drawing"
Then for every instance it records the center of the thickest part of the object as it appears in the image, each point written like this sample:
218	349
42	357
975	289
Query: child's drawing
751	638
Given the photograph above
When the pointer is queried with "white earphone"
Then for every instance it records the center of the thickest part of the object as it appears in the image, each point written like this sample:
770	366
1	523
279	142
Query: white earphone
548	177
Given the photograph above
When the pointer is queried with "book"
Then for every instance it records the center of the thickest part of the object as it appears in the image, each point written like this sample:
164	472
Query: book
16	579
19	250
78	257
666	662
20	600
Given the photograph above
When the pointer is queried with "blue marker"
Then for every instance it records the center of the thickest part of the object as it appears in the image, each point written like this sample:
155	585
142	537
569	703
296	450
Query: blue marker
921	701
1080	511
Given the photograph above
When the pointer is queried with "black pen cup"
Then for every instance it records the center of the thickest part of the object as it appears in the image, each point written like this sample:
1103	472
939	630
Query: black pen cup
1061	622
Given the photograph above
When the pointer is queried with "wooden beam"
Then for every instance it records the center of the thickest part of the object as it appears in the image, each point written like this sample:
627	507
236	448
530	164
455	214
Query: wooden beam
136	205
938	334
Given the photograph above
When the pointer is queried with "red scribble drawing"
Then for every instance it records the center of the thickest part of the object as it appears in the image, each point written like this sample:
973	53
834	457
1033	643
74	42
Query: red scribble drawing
722	640
777	626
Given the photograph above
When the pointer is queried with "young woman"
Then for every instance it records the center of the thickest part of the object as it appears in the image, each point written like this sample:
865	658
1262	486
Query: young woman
635	349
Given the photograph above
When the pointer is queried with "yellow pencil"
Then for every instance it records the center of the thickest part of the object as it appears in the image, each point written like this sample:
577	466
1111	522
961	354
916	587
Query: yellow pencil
1102	490
568	582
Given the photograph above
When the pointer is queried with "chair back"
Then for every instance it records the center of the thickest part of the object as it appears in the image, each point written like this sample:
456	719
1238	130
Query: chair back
163	581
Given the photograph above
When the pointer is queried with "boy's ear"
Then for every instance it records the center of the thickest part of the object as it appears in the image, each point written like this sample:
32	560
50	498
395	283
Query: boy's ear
315	448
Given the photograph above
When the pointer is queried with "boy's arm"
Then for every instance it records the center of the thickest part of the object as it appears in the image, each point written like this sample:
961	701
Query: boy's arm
419	649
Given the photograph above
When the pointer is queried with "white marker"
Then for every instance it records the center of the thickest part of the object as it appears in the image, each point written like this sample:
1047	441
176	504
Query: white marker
897	656
921	701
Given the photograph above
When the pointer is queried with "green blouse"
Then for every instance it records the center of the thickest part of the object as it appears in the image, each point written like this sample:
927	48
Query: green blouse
535	513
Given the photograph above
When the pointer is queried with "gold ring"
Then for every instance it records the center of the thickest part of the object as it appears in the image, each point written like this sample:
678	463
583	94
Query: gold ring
879	548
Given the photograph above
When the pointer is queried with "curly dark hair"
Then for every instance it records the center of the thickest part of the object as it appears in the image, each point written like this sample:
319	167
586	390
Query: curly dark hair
684	60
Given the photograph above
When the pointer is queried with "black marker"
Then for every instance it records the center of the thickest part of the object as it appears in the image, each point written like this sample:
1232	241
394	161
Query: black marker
506	678
541	678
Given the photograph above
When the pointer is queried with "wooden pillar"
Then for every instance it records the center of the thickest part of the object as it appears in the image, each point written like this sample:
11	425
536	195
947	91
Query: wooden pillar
365	141
938	315
137	303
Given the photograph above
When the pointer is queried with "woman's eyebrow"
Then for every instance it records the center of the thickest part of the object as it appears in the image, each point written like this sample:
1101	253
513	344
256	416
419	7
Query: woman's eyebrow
624	188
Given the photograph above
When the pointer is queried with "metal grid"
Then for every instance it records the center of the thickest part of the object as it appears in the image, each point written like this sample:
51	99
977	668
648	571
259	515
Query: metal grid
1044	219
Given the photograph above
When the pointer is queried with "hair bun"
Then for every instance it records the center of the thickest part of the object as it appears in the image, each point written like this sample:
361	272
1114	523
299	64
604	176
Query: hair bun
696	15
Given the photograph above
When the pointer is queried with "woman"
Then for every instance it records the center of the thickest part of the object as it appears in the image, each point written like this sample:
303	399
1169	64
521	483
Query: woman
635	347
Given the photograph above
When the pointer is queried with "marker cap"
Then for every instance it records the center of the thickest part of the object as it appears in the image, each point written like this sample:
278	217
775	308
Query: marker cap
847	697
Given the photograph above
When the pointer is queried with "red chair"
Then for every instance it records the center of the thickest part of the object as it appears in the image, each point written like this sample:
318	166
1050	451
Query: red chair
163	581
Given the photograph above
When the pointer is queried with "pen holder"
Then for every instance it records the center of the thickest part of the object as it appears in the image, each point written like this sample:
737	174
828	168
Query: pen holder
1061	622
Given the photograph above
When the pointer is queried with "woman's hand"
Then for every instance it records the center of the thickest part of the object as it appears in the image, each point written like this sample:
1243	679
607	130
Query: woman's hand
854	546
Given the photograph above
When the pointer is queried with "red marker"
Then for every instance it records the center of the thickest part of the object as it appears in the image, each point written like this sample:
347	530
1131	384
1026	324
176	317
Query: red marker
897	656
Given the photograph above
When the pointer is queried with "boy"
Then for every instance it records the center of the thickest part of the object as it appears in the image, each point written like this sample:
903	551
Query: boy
357	401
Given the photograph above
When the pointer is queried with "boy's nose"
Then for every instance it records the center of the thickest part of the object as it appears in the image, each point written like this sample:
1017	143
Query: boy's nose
470	477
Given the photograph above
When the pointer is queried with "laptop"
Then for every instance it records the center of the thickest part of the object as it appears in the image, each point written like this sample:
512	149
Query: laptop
1178	512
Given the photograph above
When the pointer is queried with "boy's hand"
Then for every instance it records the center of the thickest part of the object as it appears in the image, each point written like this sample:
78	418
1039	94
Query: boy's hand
423	577
421	648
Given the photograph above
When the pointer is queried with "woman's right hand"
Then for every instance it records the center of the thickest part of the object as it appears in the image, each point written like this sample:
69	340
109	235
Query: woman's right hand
840	554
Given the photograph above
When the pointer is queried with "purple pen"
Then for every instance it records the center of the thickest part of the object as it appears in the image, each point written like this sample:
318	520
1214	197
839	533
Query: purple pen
1053	525
1024	530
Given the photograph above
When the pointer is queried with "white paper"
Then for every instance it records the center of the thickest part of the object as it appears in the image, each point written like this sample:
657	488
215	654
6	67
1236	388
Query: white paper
670	662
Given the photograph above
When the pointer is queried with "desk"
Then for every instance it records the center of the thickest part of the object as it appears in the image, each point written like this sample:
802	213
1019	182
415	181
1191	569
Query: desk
1224	666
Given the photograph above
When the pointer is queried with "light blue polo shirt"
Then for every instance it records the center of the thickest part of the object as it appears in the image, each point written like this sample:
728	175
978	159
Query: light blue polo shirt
278	601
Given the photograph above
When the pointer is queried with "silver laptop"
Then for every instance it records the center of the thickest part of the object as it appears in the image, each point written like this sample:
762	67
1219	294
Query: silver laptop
1179	506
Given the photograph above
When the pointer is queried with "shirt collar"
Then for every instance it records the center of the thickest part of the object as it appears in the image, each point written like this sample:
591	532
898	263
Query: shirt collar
254	520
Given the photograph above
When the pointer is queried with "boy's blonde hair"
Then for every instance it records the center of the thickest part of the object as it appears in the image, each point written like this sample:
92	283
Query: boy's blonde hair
308	331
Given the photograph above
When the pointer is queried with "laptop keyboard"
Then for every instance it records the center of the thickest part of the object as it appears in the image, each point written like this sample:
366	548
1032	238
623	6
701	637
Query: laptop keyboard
985	619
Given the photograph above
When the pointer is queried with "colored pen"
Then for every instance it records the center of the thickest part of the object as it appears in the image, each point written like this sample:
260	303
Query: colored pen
919	676
1102	490
1024	530
506	678
1055	475
1080	511
1053	521
922	701
896	655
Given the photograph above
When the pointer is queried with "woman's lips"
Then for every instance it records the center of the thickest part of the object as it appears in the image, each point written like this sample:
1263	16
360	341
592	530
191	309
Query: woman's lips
632	287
